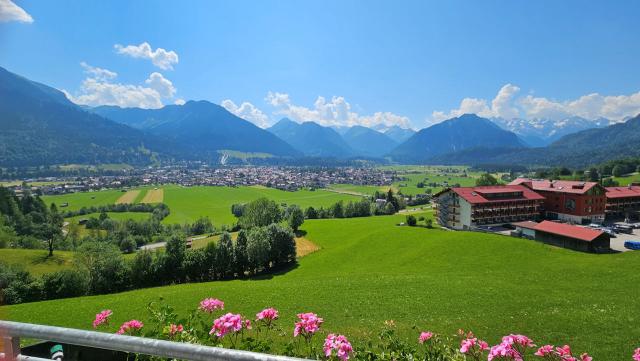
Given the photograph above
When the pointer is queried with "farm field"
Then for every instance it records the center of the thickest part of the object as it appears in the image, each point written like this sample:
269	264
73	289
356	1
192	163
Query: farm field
628	179
129	197
369	270
37	260
357	189
153	196
189	203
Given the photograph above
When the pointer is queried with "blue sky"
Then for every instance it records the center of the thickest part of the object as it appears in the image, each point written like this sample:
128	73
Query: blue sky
411	63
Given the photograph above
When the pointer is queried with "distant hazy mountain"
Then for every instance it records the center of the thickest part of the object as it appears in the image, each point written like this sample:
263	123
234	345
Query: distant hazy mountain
368	142
398	134
40	126
312	139
581	149
541	132
456	134
201	129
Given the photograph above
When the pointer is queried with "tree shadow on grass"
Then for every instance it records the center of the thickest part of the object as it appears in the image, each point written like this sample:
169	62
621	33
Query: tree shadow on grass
45	259
271	273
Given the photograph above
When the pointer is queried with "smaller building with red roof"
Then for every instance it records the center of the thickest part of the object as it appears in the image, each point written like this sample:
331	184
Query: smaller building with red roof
469	207
570	201
623	201
565	235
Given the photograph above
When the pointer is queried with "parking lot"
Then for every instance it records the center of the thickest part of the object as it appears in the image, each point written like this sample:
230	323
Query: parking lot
617	242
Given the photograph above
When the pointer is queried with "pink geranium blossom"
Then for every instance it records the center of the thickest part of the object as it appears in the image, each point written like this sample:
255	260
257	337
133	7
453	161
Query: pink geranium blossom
267	315
130	327
101	318
211	304
473	345
339	344
636	355
226	324
425	336
544	351
174	329
307	325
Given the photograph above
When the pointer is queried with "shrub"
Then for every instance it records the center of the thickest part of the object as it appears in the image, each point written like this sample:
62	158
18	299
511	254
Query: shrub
411	220
65	283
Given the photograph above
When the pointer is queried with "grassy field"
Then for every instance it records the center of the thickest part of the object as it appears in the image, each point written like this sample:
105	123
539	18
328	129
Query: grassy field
369	270
189	203
129	197
153	196
119	216
84	199
628	179
37	260
357	189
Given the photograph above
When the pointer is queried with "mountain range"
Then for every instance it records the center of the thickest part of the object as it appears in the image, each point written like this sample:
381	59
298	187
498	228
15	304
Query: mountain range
540	132
40	126
456	134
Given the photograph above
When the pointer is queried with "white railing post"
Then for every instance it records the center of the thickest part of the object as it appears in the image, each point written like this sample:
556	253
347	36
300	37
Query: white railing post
11	347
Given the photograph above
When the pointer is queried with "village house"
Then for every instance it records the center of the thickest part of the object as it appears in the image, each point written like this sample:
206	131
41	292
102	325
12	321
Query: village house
623	202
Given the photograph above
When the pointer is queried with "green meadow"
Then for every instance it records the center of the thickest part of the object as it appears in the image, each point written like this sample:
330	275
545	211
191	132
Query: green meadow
628	179
189	203
369	270
37	261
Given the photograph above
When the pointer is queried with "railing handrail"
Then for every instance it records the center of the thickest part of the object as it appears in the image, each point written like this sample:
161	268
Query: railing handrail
142	345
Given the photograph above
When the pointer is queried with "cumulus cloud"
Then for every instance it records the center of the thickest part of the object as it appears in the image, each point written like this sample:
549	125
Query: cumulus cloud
508	105
99	88
179	102
160	57
333	112
161	84
9	11
247	111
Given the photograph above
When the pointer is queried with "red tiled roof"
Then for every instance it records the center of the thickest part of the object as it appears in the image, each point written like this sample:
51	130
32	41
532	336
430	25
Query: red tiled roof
623	192
561	186
567	230
475	195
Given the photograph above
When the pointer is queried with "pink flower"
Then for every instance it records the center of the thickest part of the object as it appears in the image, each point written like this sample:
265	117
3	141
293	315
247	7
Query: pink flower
307	325
519	340
211	304
173	329
636	355
102	317
544	351
564	351
338	343
130	327
468	345
268	315
247	324
504	350
425	336
585	357
226	324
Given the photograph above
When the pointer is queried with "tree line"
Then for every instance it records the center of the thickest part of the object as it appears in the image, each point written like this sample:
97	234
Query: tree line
262	245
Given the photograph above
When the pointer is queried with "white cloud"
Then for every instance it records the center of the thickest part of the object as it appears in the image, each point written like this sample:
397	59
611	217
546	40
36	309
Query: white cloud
507	105
161	84
100	89
9	11
247	111
98	73
179	101
160	57
336	111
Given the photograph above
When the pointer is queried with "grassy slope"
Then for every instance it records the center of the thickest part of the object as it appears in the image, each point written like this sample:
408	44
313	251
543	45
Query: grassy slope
119	216
626	180
370	270
37	260
84	199
187	204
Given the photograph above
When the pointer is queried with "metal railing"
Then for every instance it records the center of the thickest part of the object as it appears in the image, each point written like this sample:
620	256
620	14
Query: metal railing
10	332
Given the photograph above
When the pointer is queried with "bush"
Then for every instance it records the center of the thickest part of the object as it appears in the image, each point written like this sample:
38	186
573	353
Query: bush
411	220
65	283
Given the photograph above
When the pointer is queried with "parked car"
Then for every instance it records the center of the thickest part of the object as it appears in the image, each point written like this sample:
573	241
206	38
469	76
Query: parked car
623	228
633	245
